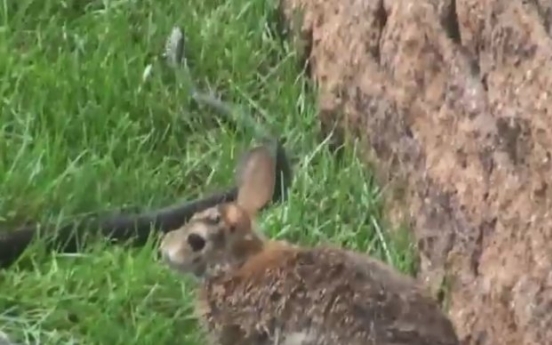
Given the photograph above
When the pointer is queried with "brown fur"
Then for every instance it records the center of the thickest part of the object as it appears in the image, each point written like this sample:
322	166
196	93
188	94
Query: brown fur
262	292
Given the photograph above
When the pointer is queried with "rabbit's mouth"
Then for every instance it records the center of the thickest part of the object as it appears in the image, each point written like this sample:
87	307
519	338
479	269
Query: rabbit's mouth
198	267
195	267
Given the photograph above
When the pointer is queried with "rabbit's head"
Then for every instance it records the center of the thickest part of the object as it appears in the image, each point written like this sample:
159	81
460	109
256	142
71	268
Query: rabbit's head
223	236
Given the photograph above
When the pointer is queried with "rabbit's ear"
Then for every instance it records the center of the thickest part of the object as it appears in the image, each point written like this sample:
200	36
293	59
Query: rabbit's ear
256	178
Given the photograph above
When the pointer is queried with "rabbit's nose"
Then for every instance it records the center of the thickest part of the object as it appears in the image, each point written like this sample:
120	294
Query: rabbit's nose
166	253
171	253
166	242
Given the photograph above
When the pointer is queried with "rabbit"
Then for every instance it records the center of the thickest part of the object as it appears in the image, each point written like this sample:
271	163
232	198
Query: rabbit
257	291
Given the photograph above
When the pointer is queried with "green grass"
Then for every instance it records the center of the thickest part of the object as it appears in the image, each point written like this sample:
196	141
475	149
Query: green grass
80	132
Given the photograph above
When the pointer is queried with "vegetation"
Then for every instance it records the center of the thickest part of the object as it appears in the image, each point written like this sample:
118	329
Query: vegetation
81	132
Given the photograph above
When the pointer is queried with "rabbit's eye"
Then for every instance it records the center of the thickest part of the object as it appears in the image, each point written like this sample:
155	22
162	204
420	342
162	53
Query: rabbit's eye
196	242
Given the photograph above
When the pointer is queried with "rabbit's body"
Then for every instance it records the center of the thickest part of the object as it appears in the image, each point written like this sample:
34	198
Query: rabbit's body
255	291
320	296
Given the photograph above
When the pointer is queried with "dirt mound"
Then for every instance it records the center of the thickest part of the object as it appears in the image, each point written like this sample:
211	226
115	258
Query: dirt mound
453	99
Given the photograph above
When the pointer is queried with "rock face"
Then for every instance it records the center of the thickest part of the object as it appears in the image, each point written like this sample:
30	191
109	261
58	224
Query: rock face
453	100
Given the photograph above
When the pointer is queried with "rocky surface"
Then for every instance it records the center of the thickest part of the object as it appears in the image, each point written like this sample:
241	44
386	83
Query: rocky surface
453	100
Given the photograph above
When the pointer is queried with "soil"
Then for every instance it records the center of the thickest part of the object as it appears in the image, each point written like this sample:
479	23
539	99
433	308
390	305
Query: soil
453	102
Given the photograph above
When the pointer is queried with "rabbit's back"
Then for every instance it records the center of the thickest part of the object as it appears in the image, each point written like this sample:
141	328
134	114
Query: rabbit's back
323	296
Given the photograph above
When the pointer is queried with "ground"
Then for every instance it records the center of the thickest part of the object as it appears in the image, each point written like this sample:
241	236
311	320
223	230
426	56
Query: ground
80	132
452	101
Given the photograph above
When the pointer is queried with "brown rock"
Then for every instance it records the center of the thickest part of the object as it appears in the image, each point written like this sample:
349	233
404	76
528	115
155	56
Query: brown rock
453	99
